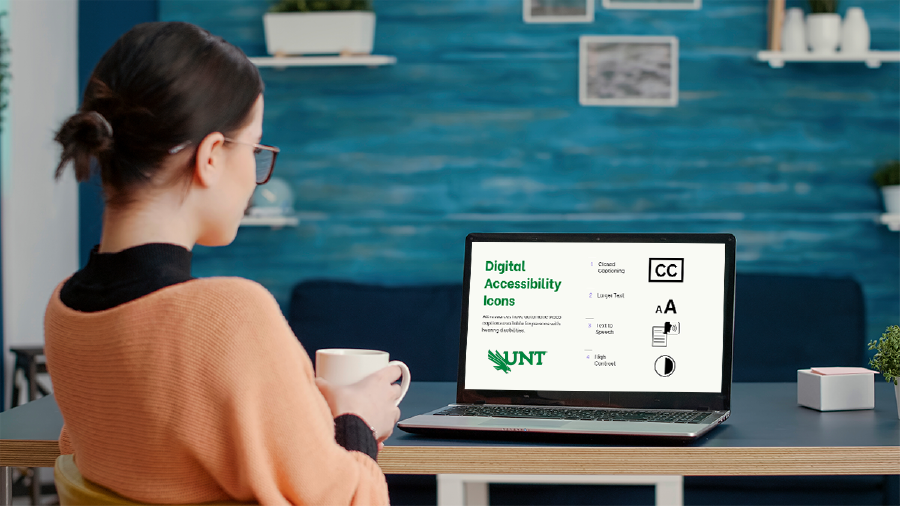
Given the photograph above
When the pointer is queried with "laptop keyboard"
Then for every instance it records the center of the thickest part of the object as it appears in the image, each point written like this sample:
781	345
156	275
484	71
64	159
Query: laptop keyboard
577	414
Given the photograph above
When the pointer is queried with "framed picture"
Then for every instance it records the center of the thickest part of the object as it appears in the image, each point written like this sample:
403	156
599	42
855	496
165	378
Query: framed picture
628	71
653	4
558	11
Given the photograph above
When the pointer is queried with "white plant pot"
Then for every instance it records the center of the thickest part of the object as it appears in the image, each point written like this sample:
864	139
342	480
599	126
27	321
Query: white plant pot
891	195
793	34
823	32
319	33
855	34
897	396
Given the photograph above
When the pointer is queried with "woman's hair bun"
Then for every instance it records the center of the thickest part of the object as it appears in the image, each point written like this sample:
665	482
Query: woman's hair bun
161	84
83	136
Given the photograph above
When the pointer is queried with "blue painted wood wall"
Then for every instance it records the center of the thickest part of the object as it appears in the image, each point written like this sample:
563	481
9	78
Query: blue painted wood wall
478	128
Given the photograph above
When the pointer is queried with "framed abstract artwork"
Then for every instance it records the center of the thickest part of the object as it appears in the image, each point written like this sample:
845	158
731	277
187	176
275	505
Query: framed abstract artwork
653	4
558	11
628	71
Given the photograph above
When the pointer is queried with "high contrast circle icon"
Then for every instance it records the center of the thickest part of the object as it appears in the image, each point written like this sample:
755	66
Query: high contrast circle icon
665	366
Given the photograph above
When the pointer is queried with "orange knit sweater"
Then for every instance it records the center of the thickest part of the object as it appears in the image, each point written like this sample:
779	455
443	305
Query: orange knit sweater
199	392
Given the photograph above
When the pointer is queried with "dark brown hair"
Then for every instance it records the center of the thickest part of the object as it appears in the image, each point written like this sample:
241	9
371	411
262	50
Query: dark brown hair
159	86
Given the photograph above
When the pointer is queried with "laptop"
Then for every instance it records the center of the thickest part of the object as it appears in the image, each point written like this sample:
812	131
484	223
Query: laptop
592	334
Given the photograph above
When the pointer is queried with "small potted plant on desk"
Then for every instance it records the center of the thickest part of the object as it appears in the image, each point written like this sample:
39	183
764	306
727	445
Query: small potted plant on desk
887	358
887	177
320	27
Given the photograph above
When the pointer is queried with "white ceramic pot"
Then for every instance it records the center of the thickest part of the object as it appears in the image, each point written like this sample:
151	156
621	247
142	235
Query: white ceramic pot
823	32
855	34
319	33
891	195
793	34
897	396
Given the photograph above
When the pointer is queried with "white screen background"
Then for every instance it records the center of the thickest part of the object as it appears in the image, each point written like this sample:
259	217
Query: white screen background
574	348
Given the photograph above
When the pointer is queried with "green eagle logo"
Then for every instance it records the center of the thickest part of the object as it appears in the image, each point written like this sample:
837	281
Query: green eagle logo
500	363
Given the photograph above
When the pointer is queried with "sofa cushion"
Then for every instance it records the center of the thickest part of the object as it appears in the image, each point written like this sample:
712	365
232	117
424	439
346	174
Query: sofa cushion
418	325
785	323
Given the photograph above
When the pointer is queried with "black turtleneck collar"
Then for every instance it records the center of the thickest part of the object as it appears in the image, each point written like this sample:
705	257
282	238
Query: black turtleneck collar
111	279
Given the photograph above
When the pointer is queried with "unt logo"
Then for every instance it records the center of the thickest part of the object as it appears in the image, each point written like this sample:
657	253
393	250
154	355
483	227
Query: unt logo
502	362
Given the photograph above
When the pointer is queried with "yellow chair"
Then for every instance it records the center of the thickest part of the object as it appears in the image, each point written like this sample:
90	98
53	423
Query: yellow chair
74	489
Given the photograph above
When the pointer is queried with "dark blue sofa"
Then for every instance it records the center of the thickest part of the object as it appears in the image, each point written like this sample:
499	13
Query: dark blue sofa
782	323
418	325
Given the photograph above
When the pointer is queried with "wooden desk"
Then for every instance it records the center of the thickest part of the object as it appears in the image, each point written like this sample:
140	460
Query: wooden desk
768	434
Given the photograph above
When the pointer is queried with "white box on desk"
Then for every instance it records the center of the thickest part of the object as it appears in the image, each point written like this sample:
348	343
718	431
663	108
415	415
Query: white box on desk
836	392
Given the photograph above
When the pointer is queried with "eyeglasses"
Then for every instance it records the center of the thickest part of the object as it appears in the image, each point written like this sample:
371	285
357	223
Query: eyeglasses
265	159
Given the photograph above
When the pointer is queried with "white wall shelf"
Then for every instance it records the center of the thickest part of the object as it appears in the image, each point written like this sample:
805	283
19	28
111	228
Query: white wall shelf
281	62
270	221
872	59
891	221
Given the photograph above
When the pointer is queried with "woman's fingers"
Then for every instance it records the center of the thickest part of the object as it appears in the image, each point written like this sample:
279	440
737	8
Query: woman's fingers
395	391
373	399
391	373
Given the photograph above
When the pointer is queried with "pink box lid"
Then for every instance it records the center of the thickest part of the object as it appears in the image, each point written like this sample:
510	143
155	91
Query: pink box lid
838	370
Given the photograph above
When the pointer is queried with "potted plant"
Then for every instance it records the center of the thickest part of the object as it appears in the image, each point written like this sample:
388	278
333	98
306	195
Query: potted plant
887	177
318	27
887	358
823	26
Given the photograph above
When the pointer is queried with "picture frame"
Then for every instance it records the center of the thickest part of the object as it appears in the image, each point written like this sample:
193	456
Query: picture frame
628	71
558	11
654	4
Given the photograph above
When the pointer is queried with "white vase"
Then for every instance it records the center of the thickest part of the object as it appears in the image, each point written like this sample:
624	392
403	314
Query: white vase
793	34
897	396
823	32
891	195
855	34
316	33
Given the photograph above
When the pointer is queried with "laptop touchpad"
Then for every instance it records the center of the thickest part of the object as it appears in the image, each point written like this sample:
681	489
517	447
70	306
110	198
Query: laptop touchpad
522	423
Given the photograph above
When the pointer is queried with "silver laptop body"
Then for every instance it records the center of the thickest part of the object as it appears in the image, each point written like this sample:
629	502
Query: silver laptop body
592	334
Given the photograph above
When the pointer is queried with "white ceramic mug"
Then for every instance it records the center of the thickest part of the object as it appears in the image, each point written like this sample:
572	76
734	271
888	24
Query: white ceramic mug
348	366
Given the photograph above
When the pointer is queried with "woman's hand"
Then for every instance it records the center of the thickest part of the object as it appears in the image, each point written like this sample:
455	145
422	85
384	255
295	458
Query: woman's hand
373	399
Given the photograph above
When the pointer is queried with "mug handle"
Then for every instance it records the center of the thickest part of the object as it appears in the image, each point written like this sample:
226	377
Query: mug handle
404	382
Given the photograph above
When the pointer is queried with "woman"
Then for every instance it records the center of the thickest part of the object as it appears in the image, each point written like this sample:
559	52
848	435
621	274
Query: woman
182	390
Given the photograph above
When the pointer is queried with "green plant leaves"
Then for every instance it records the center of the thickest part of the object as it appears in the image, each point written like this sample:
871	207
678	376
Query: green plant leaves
823	6
321	5
888	174
887	357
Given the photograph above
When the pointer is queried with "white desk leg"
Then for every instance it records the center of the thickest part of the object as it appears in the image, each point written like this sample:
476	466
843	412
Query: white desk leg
450	490
6	485
476	492
670	491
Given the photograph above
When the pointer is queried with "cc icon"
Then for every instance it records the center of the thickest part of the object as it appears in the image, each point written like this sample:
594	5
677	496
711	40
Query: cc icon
667	270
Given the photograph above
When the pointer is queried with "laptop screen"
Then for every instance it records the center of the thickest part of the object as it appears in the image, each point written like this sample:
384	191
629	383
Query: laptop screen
589	313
